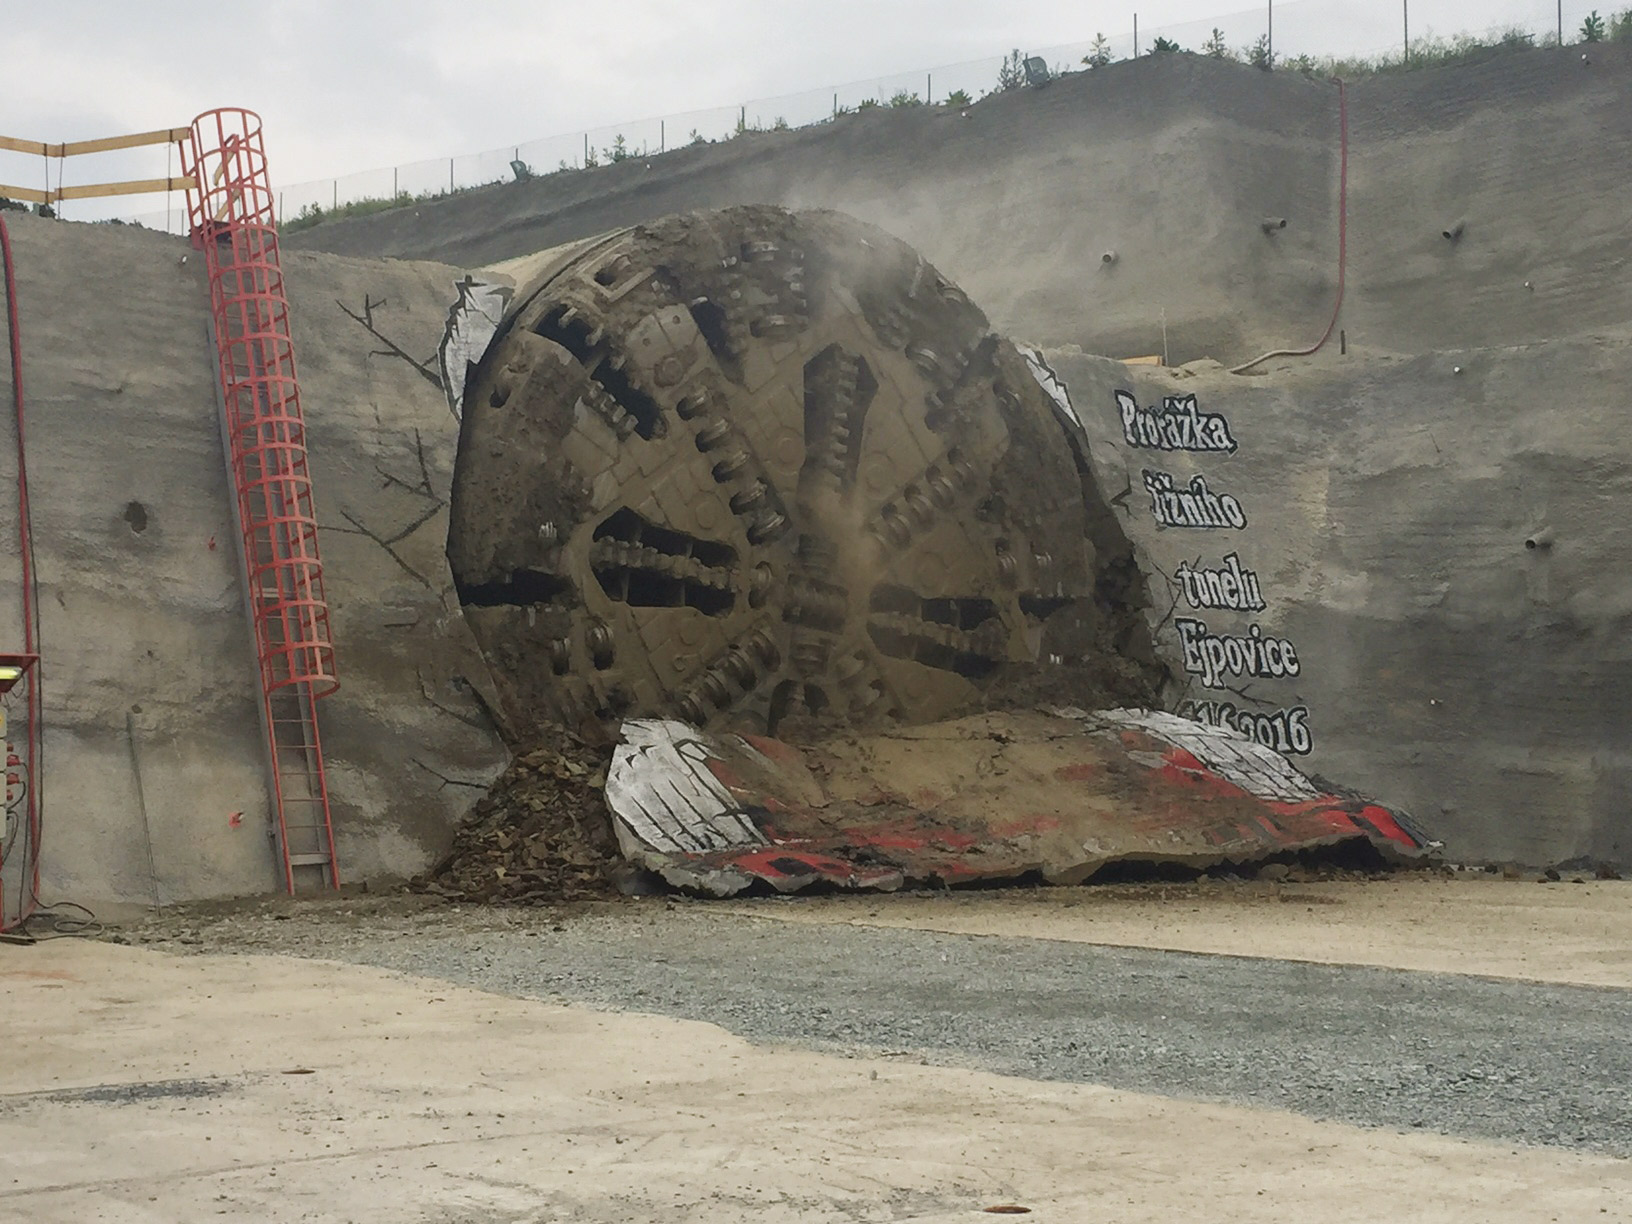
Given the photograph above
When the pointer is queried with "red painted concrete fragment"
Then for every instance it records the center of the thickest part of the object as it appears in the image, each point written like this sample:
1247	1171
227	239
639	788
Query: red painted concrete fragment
983	798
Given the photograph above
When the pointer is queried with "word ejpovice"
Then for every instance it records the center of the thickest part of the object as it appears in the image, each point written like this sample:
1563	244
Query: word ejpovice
1215	657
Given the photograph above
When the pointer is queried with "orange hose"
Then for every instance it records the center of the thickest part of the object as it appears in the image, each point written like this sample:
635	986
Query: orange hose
1342	239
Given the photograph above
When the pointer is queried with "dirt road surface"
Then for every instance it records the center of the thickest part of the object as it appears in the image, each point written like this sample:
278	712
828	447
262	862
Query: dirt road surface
473	1065
1577	930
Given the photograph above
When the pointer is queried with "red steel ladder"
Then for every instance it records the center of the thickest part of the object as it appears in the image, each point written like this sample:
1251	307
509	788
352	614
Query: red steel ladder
231	218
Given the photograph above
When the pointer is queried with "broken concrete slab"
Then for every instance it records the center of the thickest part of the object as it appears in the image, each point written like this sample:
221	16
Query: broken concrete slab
997	796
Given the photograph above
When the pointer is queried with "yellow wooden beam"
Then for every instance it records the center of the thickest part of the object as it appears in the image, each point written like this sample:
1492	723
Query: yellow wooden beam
1151	361
129	187
25	193
25	146
76	147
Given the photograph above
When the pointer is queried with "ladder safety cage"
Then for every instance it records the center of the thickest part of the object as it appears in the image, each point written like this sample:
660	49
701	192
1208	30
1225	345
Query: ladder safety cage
231	220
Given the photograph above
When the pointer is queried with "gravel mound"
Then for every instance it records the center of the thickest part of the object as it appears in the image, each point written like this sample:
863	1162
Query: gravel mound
542	833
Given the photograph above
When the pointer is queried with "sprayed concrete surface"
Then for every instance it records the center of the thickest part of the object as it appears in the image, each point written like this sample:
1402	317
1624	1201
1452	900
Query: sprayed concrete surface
1438	538
1565	932
161	1088
155	779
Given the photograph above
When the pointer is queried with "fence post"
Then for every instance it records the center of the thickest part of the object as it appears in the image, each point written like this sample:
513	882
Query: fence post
836	95
1406	7
334	200
929	89
450	176
662	135
1272	33
1136	36
586	150
394	192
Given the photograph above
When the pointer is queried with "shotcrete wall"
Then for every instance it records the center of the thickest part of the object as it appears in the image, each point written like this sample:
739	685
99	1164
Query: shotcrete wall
1442	541
153	740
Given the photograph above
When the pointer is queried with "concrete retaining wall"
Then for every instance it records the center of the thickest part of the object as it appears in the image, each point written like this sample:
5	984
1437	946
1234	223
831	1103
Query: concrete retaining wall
1446	667
149	665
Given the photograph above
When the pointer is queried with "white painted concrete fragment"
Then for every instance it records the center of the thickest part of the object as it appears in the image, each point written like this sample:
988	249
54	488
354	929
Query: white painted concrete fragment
665	798
473	320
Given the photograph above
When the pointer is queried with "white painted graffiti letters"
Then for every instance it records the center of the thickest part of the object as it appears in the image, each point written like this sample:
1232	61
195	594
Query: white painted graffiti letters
1178	425
1214	657
1286	731
1230	586
1193	505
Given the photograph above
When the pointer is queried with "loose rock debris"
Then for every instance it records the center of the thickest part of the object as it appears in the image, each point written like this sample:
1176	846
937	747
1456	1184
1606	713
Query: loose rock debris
541	834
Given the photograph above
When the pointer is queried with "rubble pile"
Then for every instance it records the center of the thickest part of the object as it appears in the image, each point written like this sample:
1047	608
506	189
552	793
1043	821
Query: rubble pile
540	834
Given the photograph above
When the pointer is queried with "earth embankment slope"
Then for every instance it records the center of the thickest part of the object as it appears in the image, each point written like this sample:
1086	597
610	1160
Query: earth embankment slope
1173	163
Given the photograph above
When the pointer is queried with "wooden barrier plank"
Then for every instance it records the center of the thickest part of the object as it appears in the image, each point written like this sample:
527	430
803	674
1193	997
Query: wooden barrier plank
76	147
25	146
129	187
25	193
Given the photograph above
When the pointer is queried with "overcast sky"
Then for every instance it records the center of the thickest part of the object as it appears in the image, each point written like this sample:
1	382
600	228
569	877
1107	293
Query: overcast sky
349	85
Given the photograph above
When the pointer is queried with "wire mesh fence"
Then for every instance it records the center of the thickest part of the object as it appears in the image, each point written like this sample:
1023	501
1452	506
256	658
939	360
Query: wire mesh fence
1311	34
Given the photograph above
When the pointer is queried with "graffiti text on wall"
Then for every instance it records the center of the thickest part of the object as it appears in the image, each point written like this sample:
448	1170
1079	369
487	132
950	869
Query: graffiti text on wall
1231	661
1178	425
1231	586
1214	657
1193	505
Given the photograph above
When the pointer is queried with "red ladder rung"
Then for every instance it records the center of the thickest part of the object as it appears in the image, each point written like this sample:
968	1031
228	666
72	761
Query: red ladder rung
230	212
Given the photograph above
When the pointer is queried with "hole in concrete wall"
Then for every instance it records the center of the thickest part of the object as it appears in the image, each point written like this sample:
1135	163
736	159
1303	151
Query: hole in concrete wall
136	515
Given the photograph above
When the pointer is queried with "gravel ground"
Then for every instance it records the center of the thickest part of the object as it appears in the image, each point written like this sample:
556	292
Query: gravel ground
1481	1058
